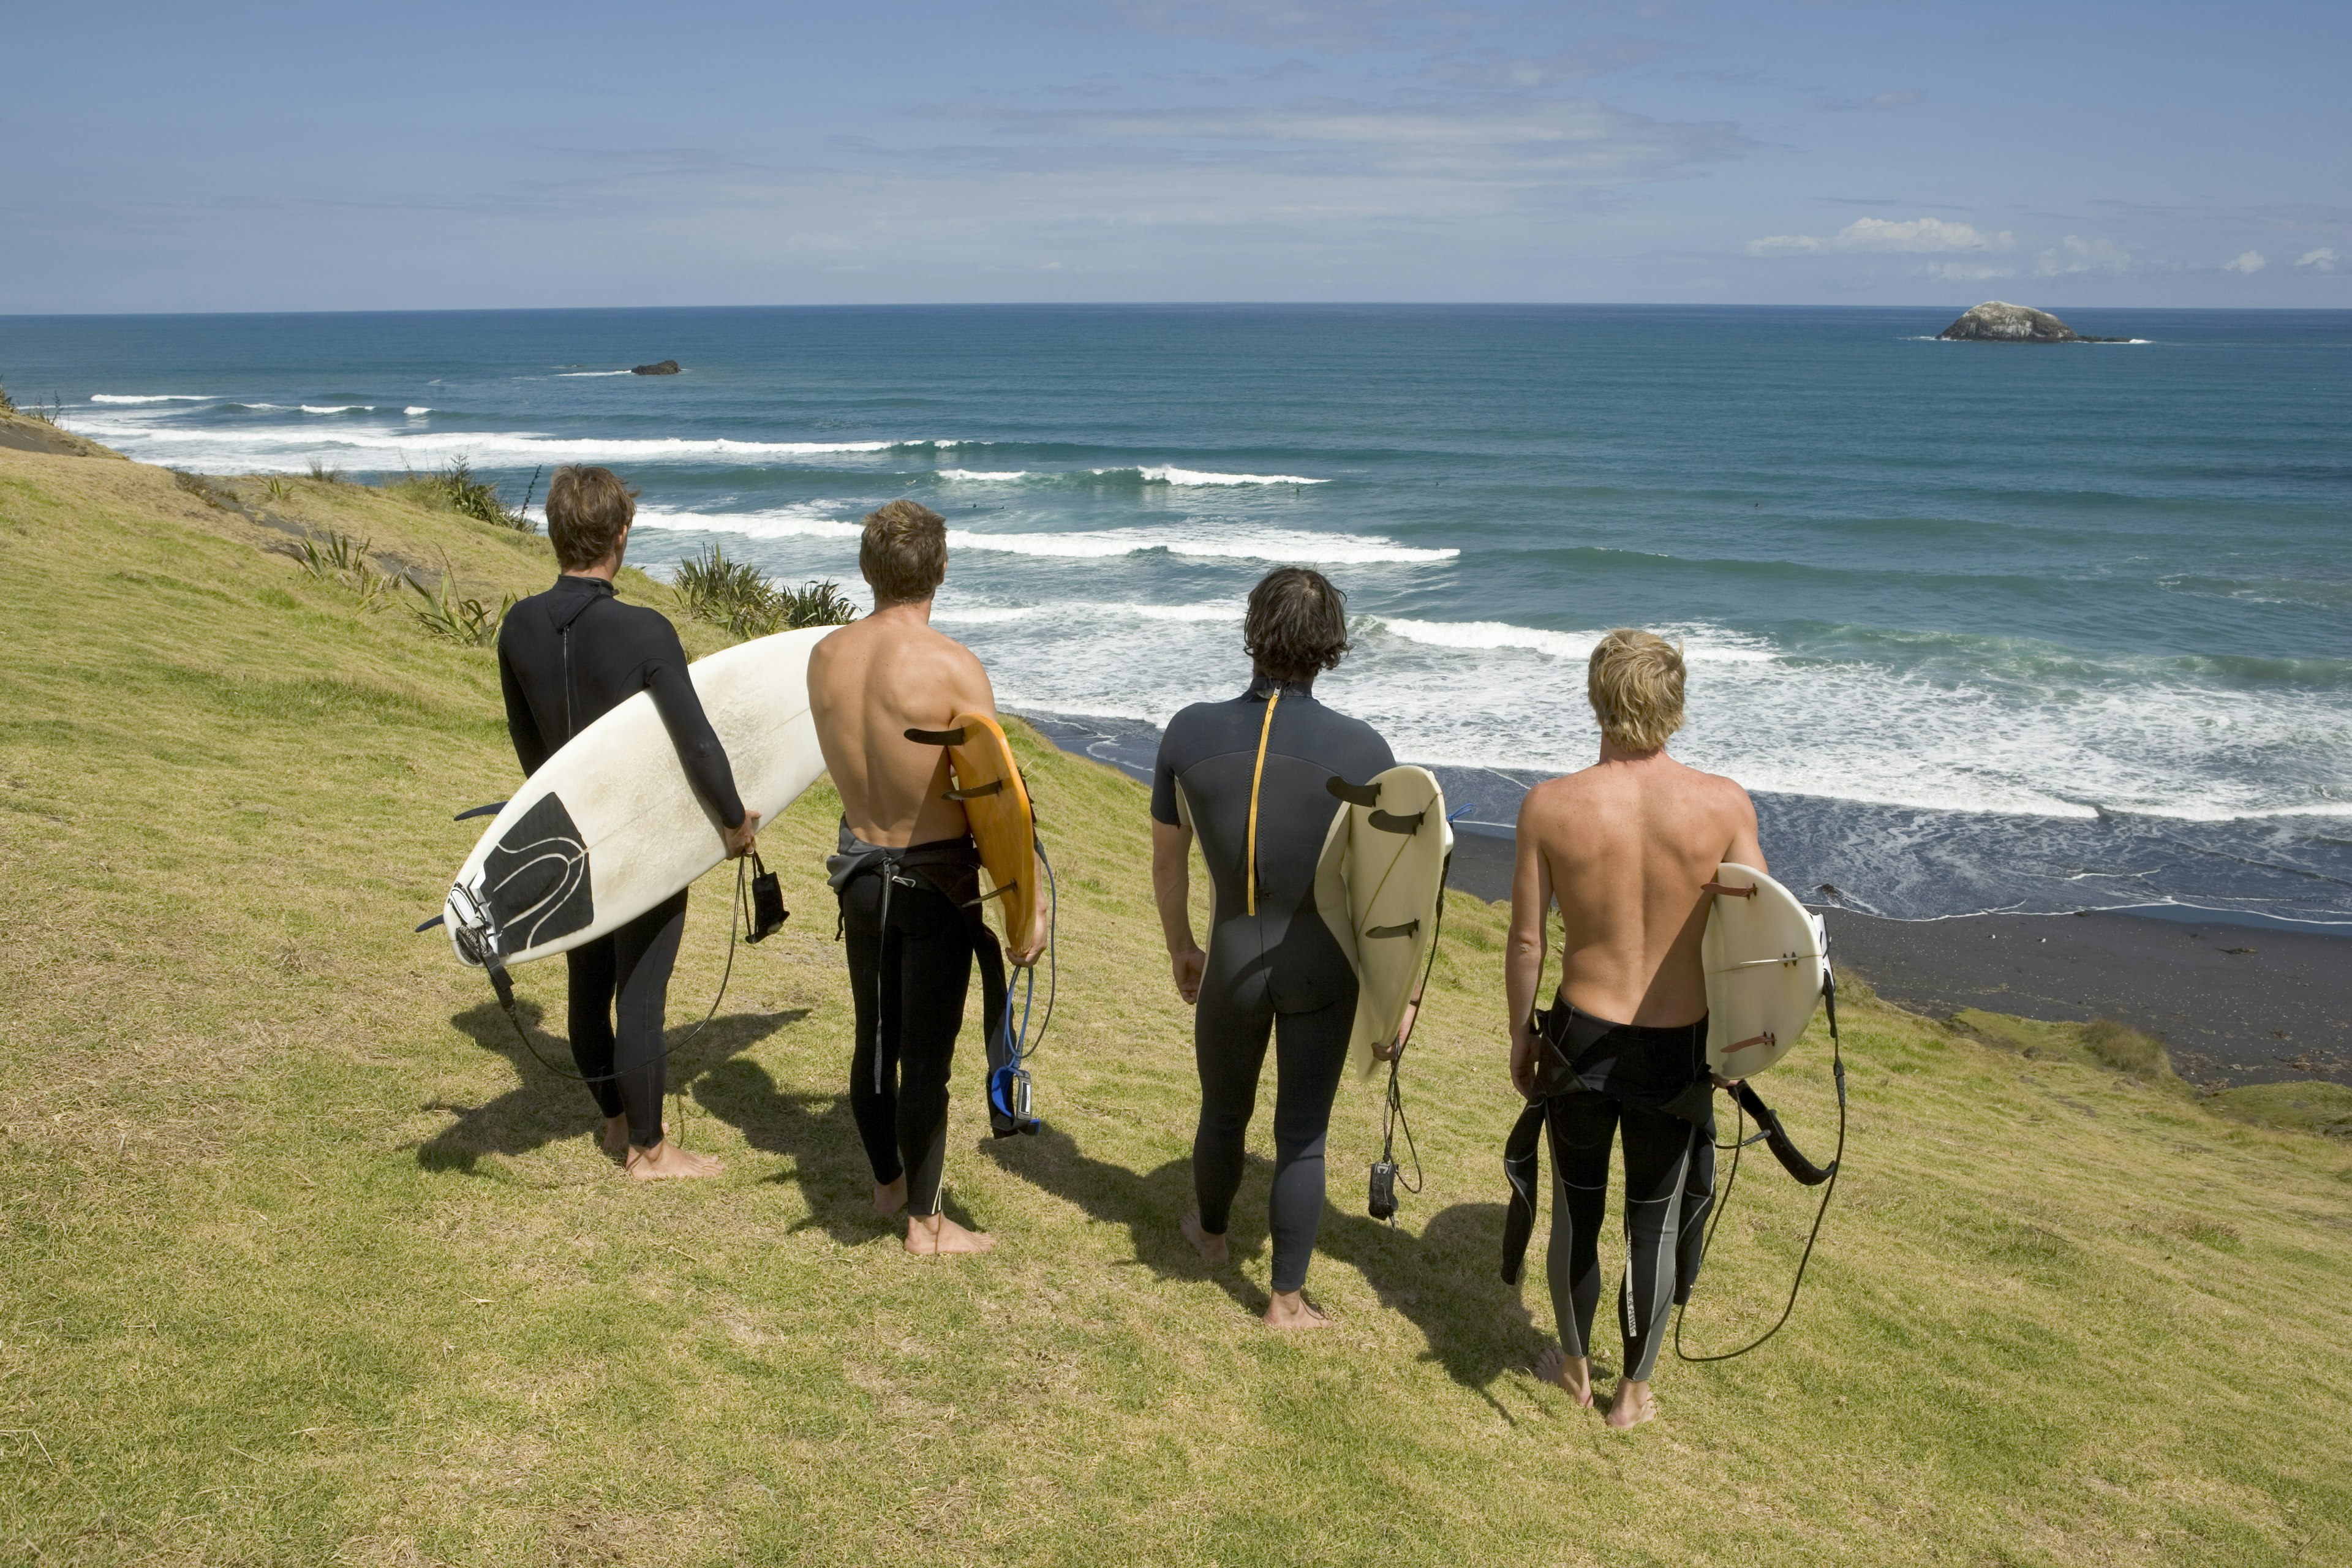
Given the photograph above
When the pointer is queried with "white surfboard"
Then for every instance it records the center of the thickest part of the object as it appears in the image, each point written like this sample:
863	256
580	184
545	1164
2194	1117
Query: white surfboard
1767	959
611	825
1376	887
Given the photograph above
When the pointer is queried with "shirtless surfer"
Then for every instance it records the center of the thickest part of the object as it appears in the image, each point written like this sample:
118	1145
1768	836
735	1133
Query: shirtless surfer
908	871
1626	846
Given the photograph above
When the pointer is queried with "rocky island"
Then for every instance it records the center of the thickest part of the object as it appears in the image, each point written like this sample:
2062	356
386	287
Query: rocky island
669	367
1997	321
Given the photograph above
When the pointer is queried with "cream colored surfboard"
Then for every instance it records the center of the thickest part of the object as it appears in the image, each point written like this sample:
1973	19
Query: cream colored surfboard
1377	887
611	825
1766	957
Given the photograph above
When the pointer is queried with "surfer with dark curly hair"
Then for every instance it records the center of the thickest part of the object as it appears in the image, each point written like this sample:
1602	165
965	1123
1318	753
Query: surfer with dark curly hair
1248	777
1626	848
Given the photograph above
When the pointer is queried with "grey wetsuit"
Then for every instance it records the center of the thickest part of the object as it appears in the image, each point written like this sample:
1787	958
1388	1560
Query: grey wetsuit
1273	967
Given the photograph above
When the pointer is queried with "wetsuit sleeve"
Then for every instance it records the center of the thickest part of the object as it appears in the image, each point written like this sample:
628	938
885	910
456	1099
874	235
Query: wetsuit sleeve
1163	781
690	731
530	748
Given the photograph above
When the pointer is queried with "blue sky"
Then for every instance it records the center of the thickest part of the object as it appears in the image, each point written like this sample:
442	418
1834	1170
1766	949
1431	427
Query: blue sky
1878	151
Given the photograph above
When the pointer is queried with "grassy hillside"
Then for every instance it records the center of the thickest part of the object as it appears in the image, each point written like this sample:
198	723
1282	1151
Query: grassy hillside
305	1260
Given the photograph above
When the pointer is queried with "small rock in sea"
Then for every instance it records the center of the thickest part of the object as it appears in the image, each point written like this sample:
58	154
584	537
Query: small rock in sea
1830	890
666	367
1997	321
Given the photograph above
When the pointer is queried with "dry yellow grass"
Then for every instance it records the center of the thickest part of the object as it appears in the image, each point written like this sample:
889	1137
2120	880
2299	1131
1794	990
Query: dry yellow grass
305	1262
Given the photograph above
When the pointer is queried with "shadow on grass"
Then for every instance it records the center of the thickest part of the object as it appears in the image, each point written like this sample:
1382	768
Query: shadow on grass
1149	1205
550	1104
1444	1280
817	1133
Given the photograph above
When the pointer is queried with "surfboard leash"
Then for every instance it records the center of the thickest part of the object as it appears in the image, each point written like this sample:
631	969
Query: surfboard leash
1386	1174
502	984
1769	1132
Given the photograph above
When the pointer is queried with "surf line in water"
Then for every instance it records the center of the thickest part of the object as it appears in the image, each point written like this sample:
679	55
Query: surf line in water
1199	542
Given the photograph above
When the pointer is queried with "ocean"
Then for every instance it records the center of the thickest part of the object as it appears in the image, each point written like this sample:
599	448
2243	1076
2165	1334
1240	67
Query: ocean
1982	627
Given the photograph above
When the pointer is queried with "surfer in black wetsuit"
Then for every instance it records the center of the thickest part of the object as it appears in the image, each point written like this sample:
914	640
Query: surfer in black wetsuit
1628	847
565	658
1248	776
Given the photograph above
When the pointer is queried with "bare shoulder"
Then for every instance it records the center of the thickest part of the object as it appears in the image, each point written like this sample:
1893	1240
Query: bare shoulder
1551	802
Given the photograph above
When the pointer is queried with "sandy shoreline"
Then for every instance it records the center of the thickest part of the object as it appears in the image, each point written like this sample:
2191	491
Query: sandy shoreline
2235	1003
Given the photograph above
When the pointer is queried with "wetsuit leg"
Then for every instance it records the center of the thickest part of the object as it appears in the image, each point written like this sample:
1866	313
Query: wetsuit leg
1698	1202
1310	1052
1231	1024
924	962
1659	1152
645	951
591	977
1582	1127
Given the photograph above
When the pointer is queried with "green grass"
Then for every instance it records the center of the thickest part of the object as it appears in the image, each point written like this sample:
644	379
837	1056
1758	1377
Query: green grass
307	1262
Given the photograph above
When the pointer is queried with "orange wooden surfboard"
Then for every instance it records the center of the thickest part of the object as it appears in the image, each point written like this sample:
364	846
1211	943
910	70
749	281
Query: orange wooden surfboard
996	803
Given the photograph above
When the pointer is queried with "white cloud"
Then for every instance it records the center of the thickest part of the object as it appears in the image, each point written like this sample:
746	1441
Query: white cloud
1928	235
2248	262
1899	98
2323	258
2074	254
1967	271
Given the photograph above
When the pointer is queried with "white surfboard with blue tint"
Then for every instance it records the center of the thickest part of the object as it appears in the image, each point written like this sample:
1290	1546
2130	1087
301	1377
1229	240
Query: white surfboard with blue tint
1767	959
611	825
1376	887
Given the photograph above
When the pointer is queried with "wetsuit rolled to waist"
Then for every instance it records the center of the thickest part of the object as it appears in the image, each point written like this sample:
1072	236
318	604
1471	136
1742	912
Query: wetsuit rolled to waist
910	918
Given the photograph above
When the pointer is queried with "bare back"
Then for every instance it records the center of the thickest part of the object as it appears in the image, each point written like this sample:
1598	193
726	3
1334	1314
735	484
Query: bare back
1625	847
869	683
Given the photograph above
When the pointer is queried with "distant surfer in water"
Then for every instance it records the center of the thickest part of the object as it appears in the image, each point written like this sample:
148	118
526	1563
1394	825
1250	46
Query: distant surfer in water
908	871
1248	775
565	658
1626	848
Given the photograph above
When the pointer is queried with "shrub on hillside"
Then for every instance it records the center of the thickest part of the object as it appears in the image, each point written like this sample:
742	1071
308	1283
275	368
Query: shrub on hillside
736	595
455	488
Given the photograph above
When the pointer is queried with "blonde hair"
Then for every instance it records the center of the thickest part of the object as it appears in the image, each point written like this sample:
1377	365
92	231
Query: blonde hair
904	551
1636	682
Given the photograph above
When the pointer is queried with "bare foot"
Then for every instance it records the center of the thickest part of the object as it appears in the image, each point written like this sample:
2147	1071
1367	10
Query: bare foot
890	1196
616	1135
1292	1309
1634	1405
1573	1373
939	1235
1211	1248
666	1161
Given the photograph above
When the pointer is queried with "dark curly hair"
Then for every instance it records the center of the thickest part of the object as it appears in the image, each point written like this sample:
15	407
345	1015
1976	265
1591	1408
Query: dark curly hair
1297	626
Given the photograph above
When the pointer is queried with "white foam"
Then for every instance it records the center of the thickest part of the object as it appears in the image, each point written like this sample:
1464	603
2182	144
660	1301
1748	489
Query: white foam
154	396
416	411
1196	541
976	474
336	408
1557	645
1173	476
289	449
575	374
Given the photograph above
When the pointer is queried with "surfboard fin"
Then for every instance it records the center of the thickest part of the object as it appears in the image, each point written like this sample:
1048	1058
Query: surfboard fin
992	786
955	737
1405	929
437	920
491	810
1366	796
1389	822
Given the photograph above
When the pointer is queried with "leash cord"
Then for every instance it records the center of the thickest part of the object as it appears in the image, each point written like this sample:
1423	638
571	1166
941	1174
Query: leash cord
1739	1143
734	930
1393	1114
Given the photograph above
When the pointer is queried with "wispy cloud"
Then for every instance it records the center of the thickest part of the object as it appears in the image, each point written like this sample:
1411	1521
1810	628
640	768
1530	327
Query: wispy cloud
1901	98
2248	261
1967	271
1918	235
1580	61
2074	254
2323	259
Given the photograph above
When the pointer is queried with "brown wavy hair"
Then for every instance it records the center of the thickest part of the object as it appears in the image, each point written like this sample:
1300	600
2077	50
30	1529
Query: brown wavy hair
1297	624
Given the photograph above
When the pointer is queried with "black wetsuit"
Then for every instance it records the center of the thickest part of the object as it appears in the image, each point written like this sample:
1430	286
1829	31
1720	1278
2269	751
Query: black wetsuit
616	650
1600	1078
908	919
1275	970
